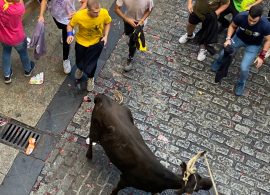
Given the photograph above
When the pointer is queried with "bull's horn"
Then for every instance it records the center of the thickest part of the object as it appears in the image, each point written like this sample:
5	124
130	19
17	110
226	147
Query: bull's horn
190	169
118	96
192	161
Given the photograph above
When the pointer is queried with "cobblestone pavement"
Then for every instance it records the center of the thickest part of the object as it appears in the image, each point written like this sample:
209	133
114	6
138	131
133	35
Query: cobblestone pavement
171	94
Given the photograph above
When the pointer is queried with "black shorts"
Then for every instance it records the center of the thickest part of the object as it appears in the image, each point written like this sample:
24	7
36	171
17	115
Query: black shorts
194	19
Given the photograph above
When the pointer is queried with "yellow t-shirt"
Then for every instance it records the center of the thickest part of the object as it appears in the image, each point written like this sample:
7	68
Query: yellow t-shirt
90	29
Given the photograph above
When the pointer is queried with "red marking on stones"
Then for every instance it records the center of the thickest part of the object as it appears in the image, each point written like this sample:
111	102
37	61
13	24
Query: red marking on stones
170	59
61	151
129	88
89	110
86	99
72	138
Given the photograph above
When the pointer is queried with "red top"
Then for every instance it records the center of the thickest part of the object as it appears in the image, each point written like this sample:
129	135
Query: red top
11	27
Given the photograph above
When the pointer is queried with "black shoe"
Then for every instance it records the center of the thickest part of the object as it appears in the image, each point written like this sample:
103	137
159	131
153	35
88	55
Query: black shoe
7	79
129	60
28	73
129	65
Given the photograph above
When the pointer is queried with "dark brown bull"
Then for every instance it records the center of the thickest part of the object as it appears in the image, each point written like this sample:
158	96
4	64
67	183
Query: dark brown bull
112	126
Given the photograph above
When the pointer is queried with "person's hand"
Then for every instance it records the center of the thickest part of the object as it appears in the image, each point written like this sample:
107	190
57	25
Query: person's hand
105	38
140	23
131	22
70	15
70	39
227	42
190	7
258	62
41	19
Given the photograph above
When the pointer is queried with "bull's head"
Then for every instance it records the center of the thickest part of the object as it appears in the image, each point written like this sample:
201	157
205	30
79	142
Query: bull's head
192	180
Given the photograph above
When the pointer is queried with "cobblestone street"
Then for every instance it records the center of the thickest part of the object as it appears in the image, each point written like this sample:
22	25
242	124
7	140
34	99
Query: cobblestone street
172	96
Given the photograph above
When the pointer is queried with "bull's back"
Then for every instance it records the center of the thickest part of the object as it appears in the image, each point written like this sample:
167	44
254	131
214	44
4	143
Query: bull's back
127	150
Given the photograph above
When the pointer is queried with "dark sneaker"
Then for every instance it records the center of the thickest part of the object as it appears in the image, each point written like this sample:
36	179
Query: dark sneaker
28	73
90	84
7	79
240	88
129	65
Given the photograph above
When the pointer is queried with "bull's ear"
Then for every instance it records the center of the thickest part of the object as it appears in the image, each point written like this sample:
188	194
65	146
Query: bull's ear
204	184
183	166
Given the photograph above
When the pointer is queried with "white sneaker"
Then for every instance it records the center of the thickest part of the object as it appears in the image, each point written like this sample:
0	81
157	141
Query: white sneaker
90	84
202	55
28	40
78	74
66	66
184	38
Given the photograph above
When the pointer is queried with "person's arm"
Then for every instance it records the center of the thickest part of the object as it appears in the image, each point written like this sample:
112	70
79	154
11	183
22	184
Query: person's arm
83	4
70	35
43	6
119	12
222	8
255	3
190	6
146	14
259	60
232	28
106	32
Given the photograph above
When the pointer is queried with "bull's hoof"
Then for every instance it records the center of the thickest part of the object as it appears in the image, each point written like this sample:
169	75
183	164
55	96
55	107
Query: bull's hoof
114	192
87	141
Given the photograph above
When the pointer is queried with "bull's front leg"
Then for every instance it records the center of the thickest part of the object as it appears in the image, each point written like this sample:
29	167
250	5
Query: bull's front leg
89	151
121	185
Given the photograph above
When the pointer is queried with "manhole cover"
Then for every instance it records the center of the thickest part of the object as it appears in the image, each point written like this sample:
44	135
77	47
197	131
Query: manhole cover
17	136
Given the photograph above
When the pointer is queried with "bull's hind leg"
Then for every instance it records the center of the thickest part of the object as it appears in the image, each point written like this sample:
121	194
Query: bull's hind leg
89	151
121	185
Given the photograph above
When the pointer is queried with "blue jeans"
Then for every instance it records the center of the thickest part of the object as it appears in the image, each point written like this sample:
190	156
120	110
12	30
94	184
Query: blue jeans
251	52
22	50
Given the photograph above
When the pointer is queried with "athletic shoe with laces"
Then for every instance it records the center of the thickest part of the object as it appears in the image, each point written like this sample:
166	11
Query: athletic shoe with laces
184	38
240	88
90	84
28	73
7	79
66	66
202	55
78	74
129	65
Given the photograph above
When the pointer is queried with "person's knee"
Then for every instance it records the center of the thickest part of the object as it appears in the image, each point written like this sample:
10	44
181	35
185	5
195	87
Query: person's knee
189	25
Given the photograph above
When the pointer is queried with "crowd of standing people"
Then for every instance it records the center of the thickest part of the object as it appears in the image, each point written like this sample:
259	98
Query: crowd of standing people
248	28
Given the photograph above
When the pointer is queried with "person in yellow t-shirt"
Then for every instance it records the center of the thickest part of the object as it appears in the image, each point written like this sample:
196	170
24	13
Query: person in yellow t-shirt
94	26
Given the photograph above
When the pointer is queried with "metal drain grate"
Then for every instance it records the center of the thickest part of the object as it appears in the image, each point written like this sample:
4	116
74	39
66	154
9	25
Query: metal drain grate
17	136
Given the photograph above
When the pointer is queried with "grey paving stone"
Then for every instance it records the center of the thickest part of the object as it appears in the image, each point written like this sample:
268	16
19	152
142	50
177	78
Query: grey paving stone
8	154
171	94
